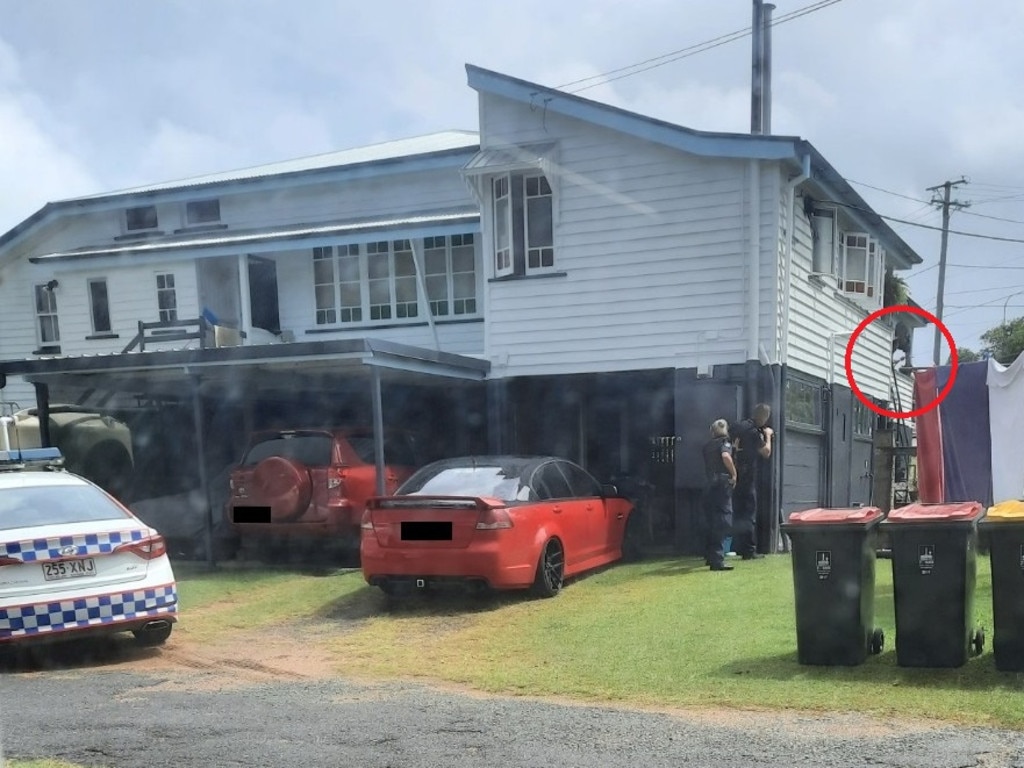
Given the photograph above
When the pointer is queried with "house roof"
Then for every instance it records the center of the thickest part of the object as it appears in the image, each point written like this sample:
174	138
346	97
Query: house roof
444	147
787	149
386	151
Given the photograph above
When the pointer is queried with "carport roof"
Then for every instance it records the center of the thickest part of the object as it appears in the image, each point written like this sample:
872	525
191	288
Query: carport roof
252	369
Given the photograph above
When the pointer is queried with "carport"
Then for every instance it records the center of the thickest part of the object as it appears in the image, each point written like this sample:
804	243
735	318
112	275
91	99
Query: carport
244	374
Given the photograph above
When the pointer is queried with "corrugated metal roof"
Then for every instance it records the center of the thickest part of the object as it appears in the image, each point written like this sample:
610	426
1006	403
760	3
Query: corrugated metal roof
509	158
390	150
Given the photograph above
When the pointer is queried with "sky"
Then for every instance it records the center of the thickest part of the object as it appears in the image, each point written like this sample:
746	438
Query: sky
899	97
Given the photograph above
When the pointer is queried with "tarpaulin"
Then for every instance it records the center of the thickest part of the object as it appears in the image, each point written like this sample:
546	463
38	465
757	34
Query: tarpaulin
930	484
969	447
1006	409
966	439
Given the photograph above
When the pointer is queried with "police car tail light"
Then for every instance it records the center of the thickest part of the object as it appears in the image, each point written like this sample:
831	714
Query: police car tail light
10	561
148	549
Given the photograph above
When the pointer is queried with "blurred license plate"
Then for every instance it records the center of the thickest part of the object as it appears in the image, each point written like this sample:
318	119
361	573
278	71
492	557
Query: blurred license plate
69	569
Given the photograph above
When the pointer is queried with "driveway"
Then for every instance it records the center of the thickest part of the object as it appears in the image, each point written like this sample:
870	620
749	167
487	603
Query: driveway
270	702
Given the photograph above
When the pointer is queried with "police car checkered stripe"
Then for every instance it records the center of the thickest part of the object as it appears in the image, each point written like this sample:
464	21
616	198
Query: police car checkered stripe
38	550
83	612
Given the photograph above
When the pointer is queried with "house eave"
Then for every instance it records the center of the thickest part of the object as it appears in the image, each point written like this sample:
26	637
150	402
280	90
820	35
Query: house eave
701	143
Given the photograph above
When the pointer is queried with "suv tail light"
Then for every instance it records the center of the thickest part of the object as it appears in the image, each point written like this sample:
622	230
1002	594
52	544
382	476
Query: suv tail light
336	480
367	521
492	519
148	549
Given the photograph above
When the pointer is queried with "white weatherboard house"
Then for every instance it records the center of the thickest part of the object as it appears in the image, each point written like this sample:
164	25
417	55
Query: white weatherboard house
574	279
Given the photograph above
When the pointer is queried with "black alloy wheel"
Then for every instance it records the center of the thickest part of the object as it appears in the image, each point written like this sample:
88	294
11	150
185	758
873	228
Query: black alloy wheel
550	570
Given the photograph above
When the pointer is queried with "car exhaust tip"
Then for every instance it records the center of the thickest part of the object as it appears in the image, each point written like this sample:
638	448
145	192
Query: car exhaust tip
153	626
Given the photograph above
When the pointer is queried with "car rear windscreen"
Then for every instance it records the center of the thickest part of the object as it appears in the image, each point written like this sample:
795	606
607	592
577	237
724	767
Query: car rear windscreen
495	482
55	505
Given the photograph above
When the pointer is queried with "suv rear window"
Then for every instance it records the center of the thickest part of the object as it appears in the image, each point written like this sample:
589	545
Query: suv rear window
311	450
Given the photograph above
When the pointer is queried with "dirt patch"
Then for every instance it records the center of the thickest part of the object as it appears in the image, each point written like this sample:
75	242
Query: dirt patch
244	658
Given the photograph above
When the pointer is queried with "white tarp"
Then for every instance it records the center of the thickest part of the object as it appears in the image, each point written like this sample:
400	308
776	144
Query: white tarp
1006	425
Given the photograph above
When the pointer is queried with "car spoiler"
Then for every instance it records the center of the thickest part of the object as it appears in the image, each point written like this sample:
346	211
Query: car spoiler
436	502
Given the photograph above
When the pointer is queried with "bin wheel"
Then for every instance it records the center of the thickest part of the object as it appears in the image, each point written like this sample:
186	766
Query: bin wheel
877	642
978	642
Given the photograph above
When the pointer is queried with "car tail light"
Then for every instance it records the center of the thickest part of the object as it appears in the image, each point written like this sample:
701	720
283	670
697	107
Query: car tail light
367	521
148	549
493	519
336	480
10	561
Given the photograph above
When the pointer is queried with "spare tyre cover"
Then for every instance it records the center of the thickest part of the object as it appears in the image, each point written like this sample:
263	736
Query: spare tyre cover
284	485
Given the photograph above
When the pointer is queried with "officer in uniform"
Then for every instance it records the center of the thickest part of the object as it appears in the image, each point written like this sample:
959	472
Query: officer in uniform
720	472
753	440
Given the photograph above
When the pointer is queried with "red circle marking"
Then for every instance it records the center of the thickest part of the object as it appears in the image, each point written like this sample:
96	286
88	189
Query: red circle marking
901	308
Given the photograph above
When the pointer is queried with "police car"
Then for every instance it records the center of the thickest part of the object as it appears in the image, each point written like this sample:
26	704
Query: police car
75	561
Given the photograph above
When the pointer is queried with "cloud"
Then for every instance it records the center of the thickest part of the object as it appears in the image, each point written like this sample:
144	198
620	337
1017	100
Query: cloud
37	167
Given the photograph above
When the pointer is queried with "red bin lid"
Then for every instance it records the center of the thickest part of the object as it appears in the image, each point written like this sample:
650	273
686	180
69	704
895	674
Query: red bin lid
860	515
954	511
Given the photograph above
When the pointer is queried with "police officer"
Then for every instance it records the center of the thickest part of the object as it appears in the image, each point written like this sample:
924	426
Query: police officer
753	440
720	472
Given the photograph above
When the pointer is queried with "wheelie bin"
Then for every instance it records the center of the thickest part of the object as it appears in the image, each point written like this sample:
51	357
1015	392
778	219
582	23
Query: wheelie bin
934	566
1003	531
833	553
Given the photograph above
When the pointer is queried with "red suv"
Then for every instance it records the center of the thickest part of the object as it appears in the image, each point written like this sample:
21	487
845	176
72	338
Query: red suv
312	482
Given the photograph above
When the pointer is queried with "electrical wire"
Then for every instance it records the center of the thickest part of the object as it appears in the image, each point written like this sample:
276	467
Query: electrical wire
682	53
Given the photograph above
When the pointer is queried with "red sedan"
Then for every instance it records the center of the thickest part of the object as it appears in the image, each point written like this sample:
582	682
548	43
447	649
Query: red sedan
500	522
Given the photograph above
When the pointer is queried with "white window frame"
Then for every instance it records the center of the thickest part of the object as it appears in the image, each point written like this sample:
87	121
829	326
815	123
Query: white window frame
867	287
501	216
166	290
93	307
459	291
388	253
350	312
510	207
825	241
325	287
540	256
446	296
47	320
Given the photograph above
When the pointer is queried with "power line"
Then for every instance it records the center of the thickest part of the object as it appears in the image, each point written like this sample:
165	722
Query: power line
927	226
889	192
928	204
682	53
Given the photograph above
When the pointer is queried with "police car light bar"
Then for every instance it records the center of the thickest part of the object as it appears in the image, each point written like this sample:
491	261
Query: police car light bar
31	458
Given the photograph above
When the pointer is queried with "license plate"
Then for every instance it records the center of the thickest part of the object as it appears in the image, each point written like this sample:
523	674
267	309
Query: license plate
69	569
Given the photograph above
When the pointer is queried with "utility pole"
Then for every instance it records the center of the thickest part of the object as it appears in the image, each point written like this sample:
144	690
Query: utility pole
946	204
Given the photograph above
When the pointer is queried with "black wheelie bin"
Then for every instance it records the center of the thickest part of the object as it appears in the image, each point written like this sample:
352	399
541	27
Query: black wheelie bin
833	552
1003	531
934	567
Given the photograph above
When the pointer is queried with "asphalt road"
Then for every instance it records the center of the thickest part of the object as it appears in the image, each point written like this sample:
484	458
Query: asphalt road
103	715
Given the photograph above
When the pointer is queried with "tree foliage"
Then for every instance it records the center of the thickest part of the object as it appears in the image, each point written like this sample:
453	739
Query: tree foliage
965	355
895	290
1006	341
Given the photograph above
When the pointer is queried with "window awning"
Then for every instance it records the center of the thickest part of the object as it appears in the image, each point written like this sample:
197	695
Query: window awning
507	158
510	158
257	241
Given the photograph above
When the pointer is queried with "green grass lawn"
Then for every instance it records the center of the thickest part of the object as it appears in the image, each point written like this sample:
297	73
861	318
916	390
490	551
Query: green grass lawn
660	632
